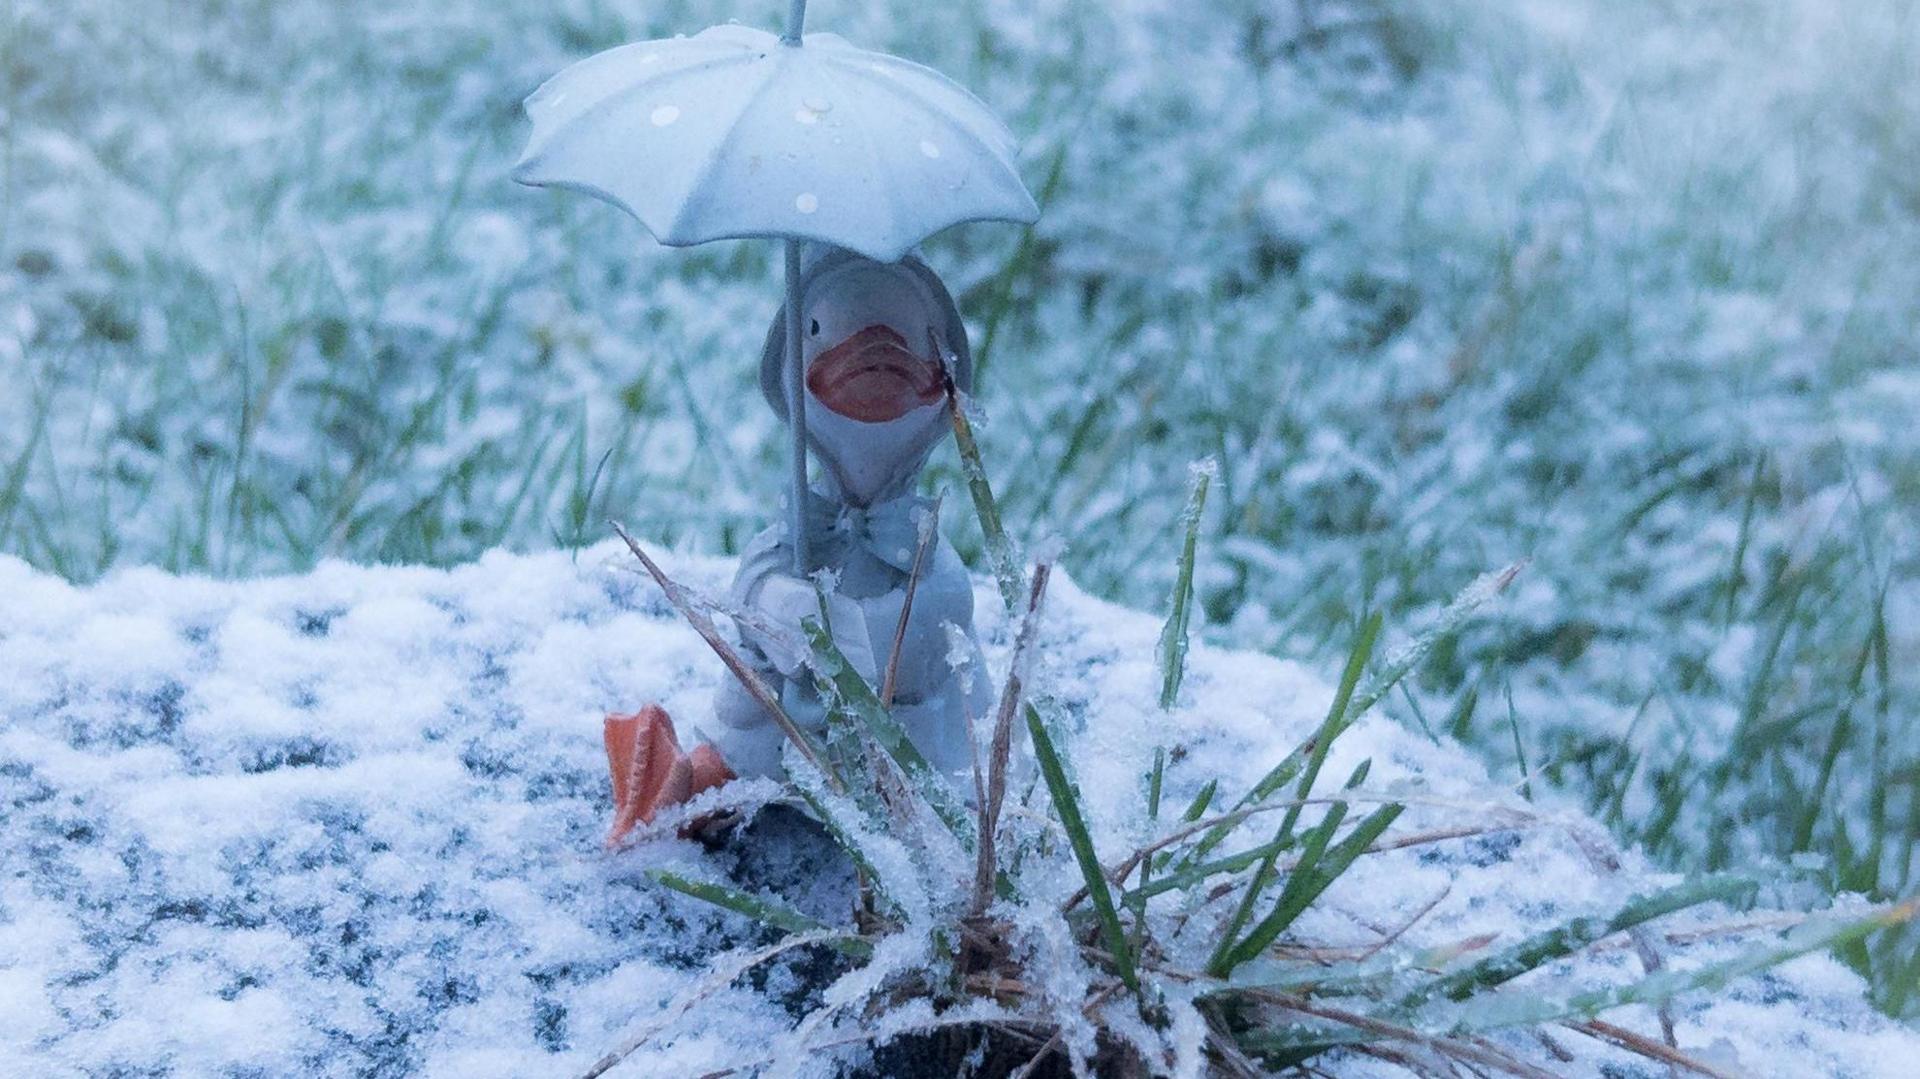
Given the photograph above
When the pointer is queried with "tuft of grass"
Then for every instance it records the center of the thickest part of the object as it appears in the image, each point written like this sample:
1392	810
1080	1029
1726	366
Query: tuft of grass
1253	1001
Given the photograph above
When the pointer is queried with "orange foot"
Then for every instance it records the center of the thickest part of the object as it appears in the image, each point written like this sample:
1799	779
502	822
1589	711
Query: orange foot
649	770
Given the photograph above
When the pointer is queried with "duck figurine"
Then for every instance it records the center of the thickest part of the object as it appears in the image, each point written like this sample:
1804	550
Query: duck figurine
879	341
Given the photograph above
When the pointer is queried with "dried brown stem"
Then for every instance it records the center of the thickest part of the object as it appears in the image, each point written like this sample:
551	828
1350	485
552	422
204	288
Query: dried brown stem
701	990
927	533
1647	1047
1228	1055
1464	1051
986	866
1401	930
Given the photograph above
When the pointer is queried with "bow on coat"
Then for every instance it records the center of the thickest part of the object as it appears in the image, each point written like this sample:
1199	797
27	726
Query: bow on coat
889	531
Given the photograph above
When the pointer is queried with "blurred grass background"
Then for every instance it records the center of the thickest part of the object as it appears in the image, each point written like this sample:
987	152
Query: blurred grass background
1626	288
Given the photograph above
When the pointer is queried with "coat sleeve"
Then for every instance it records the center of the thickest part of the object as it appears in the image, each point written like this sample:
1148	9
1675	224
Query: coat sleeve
742	731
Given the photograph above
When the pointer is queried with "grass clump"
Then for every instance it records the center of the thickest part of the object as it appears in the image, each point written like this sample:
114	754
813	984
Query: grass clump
968	948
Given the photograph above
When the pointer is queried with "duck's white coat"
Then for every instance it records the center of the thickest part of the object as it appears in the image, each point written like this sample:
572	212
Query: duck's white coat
865	527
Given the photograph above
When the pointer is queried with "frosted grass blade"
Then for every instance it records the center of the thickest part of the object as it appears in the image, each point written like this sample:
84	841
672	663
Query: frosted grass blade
1006	570
1066	802
1305	762
1173	636
847	691
1566	939
1312	877
765	911
1455	615
753	683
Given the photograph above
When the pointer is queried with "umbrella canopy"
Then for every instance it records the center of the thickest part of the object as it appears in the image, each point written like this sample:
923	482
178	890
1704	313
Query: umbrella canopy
734	133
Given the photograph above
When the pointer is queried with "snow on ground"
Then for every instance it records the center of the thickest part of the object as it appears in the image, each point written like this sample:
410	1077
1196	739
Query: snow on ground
349	823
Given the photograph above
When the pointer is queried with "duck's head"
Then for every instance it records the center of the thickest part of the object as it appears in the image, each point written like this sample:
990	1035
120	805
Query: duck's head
874	336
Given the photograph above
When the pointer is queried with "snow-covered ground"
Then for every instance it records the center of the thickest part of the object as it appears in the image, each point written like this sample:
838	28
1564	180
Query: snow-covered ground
349	823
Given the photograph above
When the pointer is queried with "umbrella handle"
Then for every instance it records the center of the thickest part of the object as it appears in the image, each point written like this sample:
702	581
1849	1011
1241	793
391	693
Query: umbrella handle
797	413
796	380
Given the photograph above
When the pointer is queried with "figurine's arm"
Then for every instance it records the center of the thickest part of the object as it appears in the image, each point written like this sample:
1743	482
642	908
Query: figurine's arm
772	604
776	612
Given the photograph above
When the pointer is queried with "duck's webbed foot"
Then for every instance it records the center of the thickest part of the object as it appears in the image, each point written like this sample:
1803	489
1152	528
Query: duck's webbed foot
651	772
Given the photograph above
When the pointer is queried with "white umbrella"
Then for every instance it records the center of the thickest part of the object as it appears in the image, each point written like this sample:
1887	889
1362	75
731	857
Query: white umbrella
735	133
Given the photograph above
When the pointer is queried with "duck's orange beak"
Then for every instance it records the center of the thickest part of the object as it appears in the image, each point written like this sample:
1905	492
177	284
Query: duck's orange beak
874	377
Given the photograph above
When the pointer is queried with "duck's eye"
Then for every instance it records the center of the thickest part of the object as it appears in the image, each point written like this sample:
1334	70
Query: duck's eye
814	329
